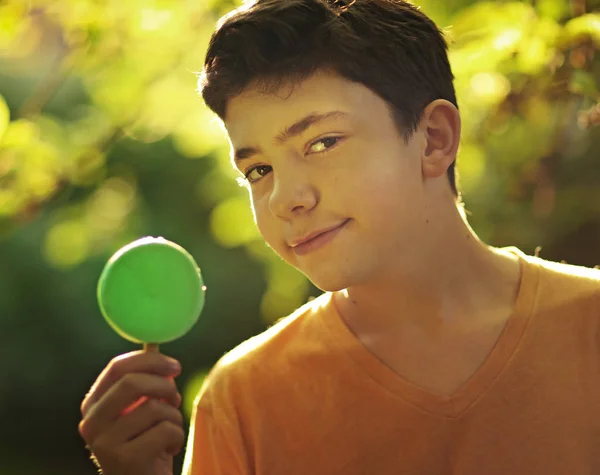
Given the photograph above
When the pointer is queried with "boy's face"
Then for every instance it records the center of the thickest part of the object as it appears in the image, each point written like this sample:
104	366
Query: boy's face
350	169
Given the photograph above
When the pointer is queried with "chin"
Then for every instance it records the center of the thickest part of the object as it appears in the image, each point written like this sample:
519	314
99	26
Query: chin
332	282
328	286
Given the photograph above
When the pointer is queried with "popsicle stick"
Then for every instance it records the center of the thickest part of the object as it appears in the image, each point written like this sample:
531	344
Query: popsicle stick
151	347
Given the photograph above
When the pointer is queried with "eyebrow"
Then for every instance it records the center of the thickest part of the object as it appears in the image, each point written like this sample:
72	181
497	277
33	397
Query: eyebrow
290	132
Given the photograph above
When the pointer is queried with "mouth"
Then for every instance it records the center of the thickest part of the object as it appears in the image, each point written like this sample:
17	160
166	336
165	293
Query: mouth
319	241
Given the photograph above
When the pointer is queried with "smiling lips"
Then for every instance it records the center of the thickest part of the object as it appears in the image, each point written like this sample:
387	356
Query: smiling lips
316	239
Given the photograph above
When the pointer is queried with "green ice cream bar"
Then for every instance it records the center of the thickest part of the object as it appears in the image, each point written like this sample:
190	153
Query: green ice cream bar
151	291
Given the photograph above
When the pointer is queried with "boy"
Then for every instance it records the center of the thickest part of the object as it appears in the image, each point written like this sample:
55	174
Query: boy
429	352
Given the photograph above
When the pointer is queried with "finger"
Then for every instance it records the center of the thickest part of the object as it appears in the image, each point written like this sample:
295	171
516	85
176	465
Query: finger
142	419
165	437
138	362
134	362
143	399
129	389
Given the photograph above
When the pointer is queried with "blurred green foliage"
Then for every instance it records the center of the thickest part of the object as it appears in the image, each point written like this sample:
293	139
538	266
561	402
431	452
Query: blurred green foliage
103	139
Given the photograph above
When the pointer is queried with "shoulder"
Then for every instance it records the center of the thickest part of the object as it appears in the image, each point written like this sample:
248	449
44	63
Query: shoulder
560	283
289	334
266	355
566	273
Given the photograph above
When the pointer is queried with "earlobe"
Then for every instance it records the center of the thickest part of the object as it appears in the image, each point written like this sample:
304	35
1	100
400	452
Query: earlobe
441	123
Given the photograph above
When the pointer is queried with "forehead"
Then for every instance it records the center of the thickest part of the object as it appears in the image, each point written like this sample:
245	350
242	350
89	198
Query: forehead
254	113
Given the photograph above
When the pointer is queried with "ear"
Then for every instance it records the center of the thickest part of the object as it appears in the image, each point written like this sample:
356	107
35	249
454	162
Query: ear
441	126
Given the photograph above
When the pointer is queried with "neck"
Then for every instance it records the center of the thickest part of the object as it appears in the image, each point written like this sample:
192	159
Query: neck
454	283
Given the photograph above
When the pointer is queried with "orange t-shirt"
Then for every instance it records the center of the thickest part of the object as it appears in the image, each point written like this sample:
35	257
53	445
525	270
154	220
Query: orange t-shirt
307	398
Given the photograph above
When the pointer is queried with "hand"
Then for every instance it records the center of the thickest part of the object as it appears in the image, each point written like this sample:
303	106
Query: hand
131	421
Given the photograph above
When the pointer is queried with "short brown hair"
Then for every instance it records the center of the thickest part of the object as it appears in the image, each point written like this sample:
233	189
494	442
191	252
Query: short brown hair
389	46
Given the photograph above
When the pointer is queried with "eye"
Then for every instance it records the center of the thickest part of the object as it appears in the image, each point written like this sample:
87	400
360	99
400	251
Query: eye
324	144
261	171
319	146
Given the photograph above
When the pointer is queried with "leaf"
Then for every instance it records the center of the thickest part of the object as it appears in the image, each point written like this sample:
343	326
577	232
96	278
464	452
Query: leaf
4	116
583	26
554	9
488	19
583	83
488	33
20	133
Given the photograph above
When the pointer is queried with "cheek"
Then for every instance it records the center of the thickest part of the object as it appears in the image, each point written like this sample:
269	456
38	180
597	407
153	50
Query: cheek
259	213
266	225
386	202
377	191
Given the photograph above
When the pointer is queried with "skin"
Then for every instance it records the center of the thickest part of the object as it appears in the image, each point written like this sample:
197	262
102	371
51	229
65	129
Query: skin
409	275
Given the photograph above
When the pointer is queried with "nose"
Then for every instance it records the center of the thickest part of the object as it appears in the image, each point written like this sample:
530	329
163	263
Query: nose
293	193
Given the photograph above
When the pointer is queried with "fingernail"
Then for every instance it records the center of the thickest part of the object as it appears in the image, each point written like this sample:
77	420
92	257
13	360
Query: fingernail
174	364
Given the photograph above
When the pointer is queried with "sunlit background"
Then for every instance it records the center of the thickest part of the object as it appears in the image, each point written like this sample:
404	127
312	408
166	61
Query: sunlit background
103	139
